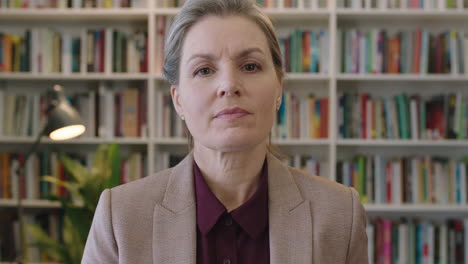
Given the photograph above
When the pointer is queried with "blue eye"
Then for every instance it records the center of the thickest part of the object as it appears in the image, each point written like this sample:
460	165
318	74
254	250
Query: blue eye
203	71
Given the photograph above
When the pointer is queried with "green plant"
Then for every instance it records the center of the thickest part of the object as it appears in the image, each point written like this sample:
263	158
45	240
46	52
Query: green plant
85	188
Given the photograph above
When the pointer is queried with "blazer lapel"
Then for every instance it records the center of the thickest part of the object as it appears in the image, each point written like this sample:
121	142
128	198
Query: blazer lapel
174	220
290	221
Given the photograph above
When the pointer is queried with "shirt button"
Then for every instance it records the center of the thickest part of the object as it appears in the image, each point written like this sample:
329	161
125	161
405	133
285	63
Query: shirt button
227	261
228	222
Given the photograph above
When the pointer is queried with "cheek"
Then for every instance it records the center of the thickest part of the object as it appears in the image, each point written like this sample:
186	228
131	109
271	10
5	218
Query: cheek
267	106
267	99
197	110
194	103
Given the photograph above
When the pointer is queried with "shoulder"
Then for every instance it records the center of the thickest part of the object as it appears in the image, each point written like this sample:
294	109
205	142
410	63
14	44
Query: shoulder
325	195
313	184
145	193
337	213
122	219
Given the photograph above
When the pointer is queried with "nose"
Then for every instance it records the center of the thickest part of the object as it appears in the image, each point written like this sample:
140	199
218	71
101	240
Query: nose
229	84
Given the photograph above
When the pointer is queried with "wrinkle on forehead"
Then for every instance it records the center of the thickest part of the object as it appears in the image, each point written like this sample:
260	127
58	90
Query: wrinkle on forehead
202	41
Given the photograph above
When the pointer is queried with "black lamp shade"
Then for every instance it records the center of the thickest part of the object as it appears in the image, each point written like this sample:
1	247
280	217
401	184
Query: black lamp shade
63	120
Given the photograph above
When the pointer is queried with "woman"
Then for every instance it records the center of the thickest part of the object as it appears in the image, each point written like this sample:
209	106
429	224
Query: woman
230	200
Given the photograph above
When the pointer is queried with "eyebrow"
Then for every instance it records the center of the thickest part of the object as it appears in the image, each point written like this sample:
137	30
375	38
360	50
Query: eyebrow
241	54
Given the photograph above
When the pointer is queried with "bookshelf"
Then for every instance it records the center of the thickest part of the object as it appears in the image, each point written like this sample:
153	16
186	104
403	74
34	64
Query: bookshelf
30	204
332	16
417	209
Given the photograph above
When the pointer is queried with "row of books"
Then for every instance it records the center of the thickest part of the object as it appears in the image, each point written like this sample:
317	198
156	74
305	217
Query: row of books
300	4
134	167
262	3
305	51
68	3
425	4
441	116
24	114
129	50
31	185
21	114
128	114
397	180
302	117
416	241
171	125
410	4
51	222
47	163
417	52
15	52
170	3
46	50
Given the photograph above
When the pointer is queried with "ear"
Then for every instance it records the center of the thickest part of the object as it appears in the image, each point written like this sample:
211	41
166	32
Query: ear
280	92
176	100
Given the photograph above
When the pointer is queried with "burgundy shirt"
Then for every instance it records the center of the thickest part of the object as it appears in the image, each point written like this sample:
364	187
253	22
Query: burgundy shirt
240	236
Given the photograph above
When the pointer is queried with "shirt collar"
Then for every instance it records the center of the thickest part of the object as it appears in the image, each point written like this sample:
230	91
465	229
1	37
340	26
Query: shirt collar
252	215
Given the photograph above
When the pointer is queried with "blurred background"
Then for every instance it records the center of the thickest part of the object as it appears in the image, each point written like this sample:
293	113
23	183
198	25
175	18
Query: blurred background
375	98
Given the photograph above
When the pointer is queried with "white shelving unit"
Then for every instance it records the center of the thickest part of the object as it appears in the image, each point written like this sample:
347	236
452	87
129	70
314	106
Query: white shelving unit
330	150
440	78
402	143
30	204
53	14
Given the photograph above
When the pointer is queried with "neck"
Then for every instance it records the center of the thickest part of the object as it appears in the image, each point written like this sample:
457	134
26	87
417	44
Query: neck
233	177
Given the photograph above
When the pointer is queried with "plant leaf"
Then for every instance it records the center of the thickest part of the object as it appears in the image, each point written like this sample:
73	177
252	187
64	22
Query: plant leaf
71	187
80	219
86	186
73	242
75	169
100	165
45	243
115	166
91	192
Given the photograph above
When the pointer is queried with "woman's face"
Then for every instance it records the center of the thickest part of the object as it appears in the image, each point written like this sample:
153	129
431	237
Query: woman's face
228	88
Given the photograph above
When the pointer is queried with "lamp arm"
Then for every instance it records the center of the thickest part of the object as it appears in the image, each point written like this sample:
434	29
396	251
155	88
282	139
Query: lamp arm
21	256
34	146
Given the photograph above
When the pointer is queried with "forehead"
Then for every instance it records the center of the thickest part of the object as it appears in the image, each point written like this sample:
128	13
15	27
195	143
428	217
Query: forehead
216	34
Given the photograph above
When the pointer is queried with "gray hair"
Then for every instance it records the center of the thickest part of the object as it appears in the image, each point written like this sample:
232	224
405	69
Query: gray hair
194	10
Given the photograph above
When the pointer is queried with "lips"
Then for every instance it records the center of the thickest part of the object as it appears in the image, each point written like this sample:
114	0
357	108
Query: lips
232	113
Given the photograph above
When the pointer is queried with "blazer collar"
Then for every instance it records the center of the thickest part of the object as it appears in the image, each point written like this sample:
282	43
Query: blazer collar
282	189
180	190
290	220
174	220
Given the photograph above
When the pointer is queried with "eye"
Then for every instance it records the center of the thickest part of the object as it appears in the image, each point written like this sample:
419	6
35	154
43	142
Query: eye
203	71
252	67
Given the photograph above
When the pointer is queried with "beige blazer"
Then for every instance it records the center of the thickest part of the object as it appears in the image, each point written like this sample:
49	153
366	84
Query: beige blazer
153	220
